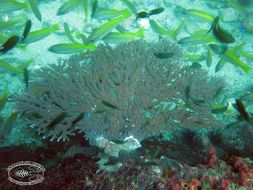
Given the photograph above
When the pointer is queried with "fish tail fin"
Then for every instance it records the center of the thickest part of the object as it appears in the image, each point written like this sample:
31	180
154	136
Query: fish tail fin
140	33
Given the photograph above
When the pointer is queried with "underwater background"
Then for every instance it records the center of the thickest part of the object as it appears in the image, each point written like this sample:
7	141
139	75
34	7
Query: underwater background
126	95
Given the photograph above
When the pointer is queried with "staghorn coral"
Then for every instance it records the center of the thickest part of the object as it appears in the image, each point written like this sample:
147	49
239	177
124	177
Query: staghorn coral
121	91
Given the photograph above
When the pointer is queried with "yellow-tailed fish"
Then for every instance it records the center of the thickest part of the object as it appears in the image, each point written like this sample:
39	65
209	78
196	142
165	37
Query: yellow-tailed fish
130	6
125	36
68	33
71	48
196	39
17	70
201	32
9	44
220	64
26	77
218	49
108	13
86	9
8	125
120	28
37	90
219	108
69	6
199	102
214	24
27	29
100	111
201	15
218	92
35	9
14	22
107	27
174	33
209	58
238	50
157	28
4	98
164	55
195	57
81	36
58	119
3	38
7	6
40	34
24	64
108	104
77	119
195	65
94	7
246	54
230	56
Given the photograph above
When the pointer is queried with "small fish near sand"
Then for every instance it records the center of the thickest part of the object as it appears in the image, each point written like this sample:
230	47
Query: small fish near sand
187	92
3	98
9	123
195	65
9	44
26	77
242	110
107	27
219	33
108	104
27	29
144	14
198	102
218	49
40	34
78	119
164	55
94	7
220	109
156	11
69	6
60	117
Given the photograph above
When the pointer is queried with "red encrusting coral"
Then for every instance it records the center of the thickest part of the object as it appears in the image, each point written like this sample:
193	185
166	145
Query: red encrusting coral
212	157
80	172
216	174
61	173
244	170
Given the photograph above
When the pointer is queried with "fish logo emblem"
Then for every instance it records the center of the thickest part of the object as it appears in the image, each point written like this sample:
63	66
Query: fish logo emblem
26	173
